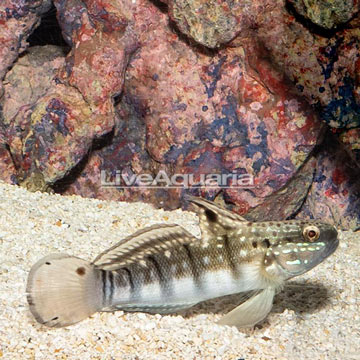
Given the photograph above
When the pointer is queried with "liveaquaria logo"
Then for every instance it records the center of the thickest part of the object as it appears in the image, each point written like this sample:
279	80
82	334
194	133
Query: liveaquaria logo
119	179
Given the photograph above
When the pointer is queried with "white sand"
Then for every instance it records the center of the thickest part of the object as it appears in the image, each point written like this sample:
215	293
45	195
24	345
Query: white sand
317	316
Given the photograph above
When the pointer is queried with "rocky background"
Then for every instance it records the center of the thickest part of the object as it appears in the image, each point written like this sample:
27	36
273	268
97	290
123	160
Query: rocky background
259	87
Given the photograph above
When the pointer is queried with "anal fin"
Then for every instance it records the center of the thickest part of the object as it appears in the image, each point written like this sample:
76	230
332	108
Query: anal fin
251	311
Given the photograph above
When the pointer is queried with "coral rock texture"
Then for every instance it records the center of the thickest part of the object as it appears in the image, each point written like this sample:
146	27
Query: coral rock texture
335	192
210	114
189	87
17	20
58	128
327	13
213	22
351	140
324	68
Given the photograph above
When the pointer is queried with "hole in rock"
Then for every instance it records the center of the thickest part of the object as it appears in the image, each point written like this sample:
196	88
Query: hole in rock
48	32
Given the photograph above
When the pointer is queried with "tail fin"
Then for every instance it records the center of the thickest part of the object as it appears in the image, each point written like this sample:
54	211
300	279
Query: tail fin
63	290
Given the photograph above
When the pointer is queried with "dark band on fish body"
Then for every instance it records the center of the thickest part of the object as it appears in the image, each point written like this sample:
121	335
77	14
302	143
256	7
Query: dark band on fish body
130	278
112	287
107	278
194	269
163	279
103	281
229	256
156	266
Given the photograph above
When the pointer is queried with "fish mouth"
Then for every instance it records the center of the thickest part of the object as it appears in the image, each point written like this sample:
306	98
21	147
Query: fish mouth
331	238
331	248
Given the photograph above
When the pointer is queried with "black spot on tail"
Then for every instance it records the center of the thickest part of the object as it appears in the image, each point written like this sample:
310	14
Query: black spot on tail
211	216
81	271
47	263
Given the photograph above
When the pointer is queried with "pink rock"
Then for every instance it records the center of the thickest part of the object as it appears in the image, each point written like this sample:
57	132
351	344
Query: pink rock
184	109
351	140
335	192
59	127
206	114
17	20
323	67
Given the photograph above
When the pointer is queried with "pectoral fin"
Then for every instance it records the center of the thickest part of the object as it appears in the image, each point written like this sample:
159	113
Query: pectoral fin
251	311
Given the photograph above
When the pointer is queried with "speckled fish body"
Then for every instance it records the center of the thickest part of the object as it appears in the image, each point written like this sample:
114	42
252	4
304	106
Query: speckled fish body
164	268
180	271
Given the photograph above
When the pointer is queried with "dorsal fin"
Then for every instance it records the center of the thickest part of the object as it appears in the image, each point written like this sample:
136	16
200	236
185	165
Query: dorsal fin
144	242
214	220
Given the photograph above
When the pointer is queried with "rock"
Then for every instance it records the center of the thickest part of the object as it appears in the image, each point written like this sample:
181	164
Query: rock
291	197
7	168
324	68
335	193
17	20
351	140
133	96
54	132
29	79
185	112
210	22
327	13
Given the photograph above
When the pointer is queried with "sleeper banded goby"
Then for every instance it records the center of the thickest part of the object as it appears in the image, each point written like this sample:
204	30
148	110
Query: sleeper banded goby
164	268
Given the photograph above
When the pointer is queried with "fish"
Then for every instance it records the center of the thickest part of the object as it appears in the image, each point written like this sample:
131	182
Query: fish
164	268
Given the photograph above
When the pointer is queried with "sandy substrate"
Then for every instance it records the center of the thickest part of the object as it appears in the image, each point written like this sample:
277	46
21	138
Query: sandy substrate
316	316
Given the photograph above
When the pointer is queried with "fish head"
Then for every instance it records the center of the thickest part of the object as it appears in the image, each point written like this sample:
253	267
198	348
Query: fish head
300	246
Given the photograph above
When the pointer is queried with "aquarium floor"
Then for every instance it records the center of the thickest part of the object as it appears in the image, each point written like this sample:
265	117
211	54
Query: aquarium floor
316	316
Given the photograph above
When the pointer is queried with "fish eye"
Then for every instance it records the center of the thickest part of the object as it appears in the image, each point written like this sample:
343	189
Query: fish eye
311	233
